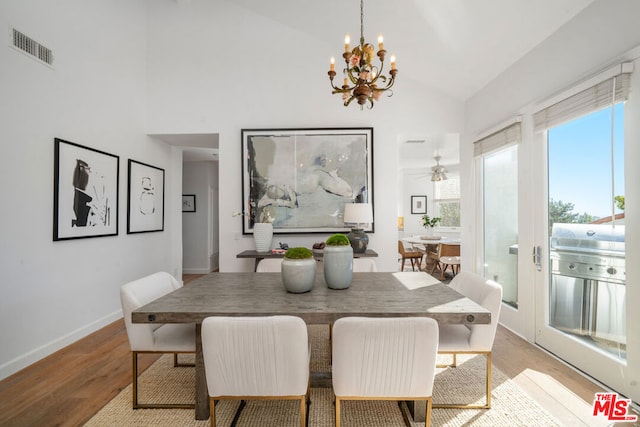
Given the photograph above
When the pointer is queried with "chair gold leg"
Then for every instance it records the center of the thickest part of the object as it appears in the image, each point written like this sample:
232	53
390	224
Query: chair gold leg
487	404
212	411
337	411
134	380
427	419
488	390
134	389
303	411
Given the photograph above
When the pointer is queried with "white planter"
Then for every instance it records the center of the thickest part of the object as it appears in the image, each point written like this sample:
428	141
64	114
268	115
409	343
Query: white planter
298	275
338	266
262	235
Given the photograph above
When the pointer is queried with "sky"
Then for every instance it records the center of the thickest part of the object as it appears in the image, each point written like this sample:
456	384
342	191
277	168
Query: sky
579	154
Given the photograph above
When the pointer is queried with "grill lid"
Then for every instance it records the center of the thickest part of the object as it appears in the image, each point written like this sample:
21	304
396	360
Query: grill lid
590	238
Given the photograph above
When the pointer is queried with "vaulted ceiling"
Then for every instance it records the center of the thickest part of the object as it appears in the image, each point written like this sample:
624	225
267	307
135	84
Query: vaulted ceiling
457	46
454	46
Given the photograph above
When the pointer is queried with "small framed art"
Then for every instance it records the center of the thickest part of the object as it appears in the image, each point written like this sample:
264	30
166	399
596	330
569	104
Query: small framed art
188	203
418	204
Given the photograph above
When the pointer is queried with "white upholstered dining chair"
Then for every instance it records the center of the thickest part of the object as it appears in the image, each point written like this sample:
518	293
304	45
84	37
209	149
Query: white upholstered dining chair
256	358
384	359
364	265
151	337
473	339
269	265
360	265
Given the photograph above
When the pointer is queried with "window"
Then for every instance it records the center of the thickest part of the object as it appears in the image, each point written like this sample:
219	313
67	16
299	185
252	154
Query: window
447	200
500	202
499	155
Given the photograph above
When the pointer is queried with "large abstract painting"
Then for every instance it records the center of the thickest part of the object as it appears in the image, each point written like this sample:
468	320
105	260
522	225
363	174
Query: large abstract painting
85	192
146	198
302	178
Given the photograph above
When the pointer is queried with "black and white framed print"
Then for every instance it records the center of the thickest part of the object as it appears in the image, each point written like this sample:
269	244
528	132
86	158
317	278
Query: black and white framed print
418	204
188	203
85	200
300	179
145	198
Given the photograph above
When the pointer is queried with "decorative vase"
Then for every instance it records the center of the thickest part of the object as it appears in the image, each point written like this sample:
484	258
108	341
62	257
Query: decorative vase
298	275
338	266
359	240
262	235
428	231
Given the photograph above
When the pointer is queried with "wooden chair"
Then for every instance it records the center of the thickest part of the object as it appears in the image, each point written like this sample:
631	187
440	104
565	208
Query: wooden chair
412	256
448	256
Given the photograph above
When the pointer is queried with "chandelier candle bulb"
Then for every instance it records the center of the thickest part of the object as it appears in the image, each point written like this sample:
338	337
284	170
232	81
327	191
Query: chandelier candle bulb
333	62
347	41
393	62
380	42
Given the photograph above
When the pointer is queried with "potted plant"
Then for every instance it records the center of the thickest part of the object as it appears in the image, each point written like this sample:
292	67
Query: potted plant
298	270
428	223
338	261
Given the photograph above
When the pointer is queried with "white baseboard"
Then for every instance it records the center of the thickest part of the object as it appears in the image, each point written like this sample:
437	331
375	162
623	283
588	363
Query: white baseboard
196	271
21	362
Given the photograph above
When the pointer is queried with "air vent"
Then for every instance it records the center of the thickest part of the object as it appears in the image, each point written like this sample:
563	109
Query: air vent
31	47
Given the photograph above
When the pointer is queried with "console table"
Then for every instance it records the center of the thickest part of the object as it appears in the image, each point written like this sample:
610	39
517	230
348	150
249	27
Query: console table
259	256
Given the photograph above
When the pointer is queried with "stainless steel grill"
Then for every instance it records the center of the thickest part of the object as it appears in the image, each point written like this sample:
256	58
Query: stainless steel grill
588	280
590	251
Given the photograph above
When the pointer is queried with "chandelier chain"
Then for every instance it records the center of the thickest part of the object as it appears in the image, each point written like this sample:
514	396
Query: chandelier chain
361	21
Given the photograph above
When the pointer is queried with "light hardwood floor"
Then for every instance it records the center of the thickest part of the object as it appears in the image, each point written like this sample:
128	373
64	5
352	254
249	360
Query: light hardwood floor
70	386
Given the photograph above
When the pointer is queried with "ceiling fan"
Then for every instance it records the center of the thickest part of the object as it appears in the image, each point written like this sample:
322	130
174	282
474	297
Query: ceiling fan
438	173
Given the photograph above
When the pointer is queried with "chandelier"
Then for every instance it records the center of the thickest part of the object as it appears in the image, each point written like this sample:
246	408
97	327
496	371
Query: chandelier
363	81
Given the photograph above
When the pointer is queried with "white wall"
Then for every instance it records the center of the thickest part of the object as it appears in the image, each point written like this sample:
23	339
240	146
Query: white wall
56	292
415	183
218	68
199	235
600	36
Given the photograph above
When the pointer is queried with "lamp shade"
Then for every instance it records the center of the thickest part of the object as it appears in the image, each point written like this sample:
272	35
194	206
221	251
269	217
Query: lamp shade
358	213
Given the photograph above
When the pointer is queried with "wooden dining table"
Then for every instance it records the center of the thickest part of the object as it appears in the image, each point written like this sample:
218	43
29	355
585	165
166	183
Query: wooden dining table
404	294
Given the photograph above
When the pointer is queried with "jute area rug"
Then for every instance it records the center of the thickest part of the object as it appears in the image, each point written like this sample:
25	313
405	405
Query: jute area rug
511	407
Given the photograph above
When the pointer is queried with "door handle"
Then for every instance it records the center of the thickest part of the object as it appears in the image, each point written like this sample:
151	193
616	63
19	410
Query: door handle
537	257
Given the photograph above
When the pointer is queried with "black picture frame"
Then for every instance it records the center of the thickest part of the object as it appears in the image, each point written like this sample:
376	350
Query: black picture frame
145	198
418	204
302	178
188	203
85	192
